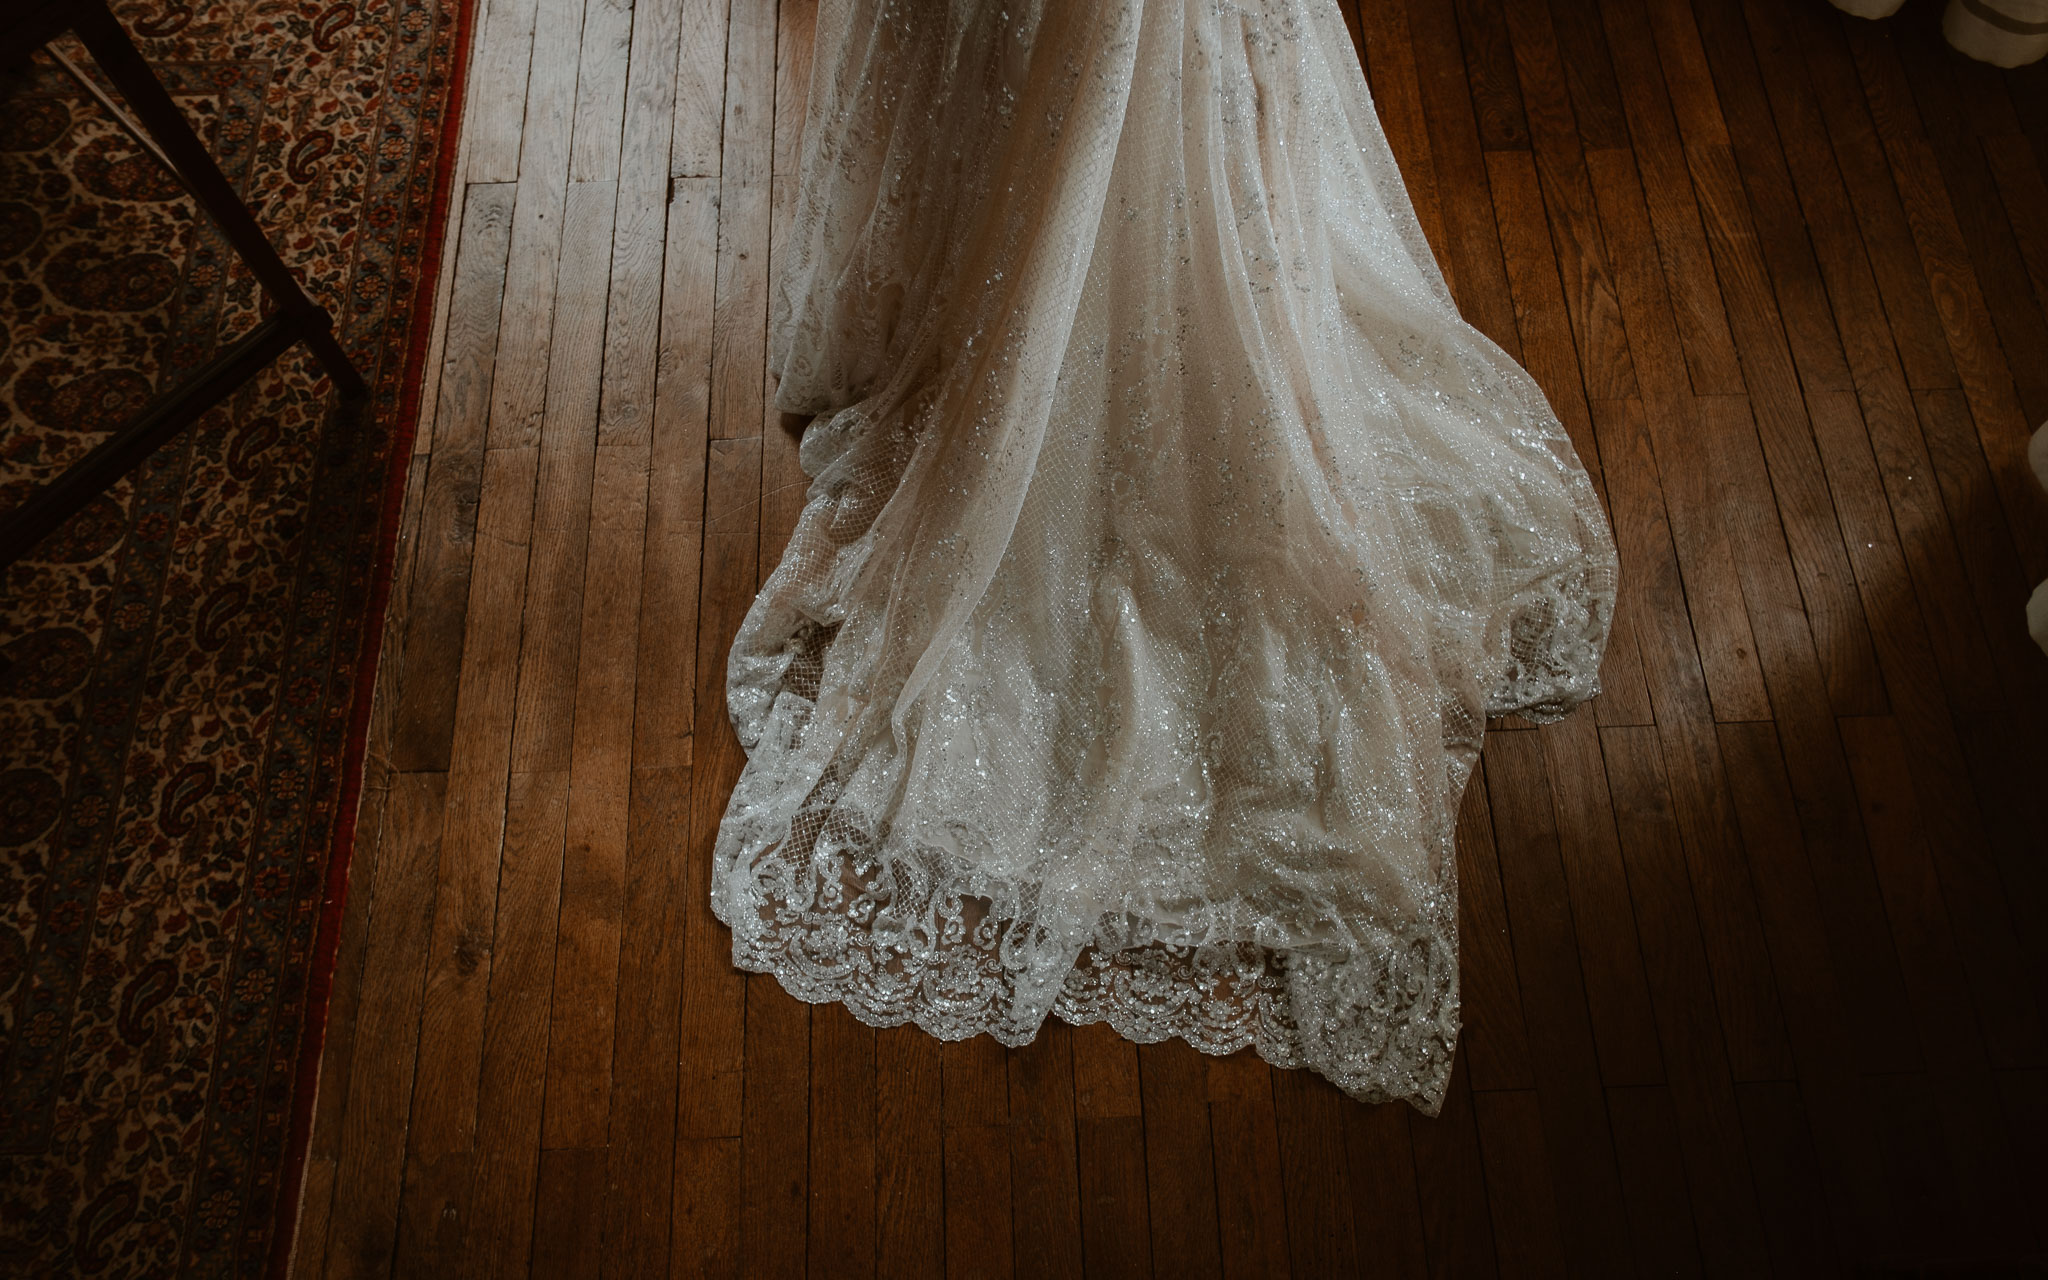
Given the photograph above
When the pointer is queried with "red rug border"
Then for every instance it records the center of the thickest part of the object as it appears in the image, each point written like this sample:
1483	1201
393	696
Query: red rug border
334	895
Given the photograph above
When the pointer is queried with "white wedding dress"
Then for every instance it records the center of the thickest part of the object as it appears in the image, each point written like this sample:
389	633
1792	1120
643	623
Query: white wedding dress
1170	539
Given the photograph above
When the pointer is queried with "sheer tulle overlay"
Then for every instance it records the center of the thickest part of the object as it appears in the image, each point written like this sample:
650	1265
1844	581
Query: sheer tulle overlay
1170	538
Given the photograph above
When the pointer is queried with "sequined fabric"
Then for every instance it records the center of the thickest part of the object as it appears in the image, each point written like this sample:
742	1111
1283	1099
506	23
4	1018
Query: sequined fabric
1170	539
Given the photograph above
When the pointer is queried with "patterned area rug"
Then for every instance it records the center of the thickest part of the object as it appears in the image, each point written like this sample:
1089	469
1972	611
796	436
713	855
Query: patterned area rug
186	664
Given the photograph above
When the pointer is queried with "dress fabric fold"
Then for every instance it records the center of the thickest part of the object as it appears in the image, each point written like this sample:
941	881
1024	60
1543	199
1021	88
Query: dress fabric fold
1170	539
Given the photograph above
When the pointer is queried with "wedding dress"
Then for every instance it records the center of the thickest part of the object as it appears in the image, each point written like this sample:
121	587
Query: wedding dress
1170	540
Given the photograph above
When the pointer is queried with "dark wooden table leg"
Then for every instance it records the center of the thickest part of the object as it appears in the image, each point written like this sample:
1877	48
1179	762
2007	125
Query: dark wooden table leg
28	524
123	64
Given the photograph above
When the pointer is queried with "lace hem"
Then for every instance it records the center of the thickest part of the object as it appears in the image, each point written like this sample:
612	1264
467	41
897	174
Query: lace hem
1556	633
840	911
909	942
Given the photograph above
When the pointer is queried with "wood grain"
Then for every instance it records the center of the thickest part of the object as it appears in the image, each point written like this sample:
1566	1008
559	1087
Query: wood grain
1180	1176
640	1148
1495	1042
422	708
466	886
511	1088
369	1154
526	325
1044	1170
587	929
1562	1054
845	1111
495	115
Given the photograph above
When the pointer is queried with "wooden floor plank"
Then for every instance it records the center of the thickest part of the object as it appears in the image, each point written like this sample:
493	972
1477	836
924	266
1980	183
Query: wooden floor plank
1788	1178
465	894
708	1207
2023	189
434	1214
1828	1024
980	1234
1490	67
1987	379
1751	1022
1519	1192
795	34
495	116
423	708
1389	59
602	52
1805	230
1918	1166
1726	651
2025	1095
774	1132
714	995
746	163
545	719
2003	768
600	788
704	1236
1953	115
664	717
1316	1179
1180	1172
1580	250
1110	1143
1875	209
910	1234
1045	1180
1698	159
1251	1216
1784	237
1646	1144
695	132
1962	847
1474	260
646	1105
569	1213
362	1231
1617	994
1578	1148
1597	109
1386	1208
526	322
1959	1068
498	1217
316	1207
1981	538
641	1139
1873	347
841	1218
1675	955
634	309
1494	1043
1456	1228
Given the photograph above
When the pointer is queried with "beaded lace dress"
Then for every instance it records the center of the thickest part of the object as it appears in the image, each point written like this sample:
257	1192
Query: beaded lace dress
1170	539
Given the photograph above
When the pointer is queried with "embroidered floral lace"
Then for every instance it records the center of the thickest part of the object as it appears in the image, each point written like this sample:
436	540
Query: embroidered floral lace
1170	539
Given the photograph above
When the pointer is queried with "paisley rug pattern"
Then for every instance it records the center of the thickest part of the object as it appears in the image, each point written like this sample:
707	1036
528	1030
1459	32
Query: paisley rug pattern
184	663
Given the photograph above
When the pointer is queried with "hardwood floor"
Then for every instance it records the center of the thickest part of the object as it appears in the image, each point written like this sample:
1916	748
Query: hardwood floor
1753	969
